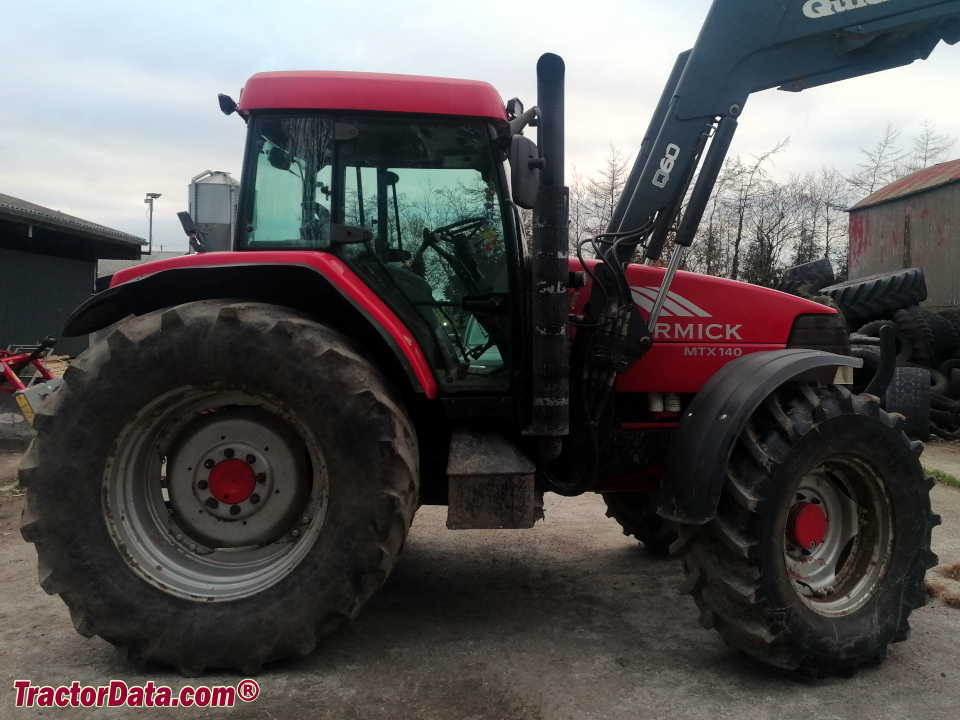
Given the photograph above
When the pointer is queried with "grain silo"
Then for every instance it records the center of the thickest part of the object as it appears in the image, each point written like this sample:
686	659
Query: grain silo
213	198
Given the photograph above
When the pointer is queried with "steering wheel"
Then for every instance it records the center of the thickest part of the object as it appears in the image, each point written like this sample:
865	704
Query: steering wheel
460	239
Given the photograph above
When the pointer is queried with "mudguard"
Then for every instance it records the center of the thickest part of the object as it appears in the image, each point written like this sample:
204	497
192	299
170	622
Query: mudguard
313	282
701	446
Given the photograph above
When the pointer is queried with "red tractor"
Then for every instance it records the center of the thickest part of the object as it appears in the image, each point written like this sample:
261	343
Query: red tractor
231	474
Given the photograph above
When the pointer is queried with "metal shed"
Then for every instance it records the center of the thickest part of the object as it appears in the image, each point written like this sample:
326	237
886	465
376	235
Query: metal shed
914	222
48	265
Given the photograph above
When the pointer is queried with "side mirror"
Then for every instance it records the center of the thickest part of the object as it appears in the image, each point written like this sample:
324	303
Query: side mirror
197	241
189	227
525	165
279	158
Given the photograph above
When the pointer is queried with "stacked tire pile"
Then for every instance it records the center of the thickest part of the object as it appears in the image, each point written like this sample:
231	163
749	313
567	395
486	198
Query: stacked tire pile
926	385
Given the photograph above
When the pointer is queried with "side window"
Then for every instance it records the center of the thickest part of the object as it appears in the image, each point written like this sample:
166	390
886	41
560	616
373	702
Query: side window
433	205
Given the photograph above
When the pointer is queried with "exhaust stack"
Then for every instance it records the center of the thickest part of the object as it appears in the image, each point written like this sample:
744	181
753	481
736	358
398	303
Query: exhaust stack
550	271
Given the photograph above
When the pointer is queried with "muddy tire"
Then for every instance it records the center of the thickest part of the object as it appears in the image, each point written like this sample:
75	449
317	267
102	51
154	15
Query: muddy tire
939	333
919	336
818	551
952	317
877	296
636	513
816	274
909	395
218	485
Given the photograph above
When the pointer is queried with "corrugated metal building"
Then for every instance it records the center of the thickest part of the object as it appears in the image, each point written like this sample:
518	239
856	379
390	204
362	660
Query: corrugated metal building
48	265
914	222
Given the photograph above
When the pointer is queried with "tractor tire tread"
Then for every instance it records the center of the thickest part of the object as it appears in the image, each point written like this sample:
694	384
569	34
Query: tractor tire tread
292	625
727	582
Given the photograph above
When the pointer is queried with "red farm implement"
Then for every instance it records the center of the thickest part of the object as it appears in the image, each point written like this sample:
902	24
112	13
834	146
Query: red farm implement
16	380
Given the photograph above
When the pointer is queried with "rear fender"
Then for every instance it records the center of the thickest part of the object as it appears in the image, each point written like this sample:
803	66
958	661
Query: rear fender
701	446
315	283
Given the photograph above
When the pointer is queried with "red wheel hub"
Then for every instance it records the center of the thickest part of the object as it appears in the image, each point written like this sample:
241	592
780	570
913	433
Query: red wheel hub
232	481
807	525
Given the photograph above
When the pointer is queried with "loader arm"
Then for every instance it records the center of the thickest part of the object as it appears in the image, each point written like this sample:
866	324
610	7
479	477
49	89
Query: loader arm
750	45
744	46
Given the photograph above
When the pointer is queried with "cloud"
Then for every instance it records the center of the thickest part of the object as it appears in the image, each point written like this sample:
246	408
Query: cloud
104	101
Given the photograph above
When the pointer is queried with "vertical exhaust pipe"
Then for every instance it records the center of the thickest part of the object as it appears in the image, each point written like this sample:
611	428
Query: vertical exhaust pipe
551	268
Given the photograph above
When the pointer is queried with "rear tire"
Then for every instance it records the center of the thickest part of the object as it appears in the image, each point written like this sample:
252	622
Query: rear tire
836	608
636	513
159	558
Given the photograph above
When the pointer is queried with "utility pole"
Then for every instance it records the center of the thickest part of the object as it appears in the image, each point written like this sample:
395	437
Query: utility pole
149	200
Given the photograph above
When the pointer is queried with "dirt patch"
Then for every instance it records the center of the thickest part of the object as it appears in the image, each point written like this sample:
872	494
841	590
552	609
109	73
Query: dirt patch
951	571
944	583
567	621
9	463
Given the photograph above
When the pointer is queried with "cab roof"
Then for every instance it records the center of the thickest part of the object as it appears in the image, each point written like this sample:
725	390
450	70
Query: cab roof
376	92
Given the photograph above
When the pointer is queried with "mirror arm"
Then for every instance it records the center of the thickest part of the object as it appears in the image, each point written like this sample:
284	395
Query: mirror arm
530	118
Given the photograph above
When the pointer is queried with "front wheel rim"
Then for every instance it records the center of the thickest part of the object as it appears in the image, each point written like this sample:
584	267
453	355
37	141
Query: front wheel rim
840	572
176	532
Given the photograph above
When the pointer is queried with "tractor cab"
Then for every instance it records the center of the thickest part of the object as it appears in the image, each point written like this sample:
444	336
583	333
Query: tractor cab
413	198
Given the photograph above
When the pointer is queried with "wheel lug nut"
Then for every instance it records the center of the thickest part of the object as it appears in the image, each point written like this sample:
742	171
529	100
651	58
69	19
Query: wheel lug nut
208	464
234	509
250	459
212	503
193	548
296	533
229	452
254	499
202	485
306	520
179	537
261	477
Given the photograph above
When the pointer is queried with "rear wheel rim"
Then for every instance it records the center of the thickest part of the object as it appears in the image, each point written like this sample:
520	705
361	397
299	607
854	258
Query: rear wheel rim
846	570
176	532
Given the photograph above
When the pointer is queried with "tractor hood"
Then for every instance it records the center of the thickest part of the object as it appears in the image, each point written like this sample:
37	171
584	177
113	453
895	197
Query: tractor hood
706	322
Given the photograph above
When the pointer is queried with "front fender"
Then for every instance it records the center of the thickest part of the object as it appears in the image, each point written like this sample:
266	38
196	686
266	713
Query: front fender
313	282
701	446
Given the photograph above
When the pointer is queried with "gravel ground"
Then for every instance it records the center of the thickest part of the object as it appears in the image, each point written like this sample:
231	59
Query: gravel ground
568	620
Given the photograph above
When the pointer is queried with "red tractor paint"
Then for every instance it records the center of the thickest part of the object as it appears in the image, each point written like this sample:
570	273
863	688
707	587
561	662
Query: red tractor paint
372	92
13	363
806	525
707	322
232	481
325	264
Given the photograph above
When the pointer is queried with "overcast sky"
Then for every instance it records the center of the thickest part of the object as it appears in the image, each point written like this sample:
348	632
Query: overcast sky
102	102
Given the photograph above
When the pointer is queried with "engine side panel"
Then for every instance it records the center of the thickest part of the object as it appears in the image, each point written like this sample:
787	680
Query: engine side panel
706	323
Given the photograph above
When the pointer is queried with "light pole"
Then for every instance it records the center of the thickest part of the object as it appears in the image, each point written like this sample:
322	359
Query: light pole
149	200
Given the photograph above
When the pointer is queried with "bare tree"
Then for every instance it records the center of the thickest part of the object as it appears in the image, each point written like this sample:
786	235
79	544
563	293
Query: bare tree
603	191
579	209
881	165
745	179
929	148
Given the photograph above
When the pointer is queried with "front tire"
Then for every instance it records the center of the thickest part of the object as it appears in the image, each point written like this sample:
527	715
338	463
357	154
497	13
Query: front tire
818	551
219	485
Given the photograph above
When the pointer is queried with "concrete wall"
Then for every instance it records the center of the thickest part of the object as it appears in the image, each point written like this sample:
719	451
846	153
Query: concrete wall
37	294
